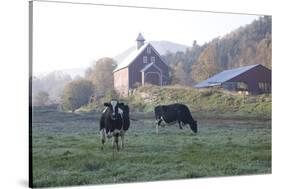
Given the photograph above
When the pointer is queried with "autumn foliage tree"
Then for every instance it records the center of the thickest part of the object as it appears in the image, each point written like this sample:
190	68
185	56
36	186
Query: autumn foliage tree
76	94
207	64
264	51
101	75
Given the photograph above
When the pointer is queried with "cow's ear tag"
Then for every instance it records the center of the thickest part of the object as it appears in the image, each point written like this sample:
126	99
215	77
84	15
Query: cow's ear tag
106	104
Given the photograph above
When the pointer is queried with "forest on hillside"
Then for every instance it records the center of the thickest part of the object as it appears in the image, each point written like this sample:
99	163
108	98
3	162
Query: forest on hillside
251	44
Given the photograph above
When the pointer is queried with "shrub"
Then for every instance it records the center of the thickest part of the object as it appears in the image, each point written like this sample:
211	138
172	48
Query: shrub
76	94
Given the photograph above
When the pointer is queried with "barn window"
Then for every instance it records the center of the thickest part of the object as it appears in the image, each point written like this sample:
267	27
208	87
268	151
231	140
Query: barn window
148	50
145	59
264	86
153	59
241	86
230	86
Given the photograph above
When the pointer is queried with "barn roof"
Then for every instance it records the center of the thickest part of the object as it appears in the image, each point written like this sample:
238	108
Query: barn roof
224	76
130	57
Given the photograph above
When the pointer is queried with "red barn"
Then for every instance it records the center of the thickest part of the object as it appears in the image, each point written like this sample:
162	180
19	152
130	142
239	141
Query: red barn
142	66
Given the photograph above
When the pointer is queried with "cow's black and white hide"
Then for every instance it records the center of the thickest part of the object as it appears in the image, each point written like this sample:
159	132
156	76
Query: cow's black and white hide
126	121
114	122
174	113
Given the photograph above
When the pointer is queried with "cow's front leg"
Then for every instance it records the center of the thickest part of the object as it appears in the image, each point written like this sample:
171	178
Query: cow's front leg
102	135
114	138
180	124
115	141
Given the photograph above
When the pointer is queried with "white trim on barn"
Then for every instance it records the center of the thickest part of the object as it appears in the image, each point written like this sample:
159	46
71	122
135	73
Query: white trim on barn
145	73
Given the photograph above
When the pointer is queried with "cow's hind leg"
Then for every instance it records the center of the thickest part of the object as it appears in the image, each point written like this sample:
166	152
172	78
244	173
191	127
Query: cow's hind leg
122	133
157	129
158	124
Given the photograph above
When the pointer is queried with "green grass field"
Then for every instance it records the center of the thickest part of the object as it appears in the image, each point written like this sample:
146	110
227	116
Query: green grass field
66	150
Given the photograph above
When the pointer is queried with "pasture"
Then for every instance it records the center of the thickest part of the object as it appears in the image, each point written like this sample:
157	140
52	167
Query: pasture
66	150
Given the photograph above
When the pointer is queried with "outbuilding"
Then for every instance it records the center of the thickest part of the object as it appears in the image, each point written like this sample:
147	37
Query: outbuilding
253	79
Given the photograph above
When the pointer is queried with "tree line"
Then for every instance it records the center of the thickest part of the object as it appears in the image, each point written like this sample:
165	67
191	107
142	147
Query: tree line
97	83
60	88
251	44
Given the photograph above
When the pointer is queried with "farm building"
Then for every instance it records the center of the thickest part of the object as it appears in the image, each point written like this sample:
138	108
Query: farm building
142	66
254	79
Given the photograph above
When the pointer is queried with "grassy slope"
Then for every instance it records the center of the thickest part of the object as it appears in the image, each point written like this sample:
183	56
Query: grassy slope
205	103
66	151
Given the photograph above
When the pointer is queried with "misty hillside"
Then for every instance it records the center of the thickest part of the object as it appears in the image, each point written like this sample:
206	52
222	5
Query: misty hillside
162	48
72	72
166	46
51	83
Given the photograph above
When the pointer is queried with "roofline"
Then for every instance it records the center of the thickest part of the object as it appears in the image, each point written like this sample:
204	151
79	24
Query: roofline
254	66
159	56
147	44
119	69
132	60
152	64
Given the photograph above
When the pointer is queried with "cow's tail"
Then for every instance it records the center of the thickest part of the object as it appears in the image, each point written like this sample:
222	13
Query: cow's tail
156	114
101	124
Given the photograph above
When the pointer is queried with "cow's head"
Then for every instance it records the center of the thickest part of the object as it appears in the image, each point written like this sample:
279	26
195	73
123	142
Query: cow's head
193	126
114	109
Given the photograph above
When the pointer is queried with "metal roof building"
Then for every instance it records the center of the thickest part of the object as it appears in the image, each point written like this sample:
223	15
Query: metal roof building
254	79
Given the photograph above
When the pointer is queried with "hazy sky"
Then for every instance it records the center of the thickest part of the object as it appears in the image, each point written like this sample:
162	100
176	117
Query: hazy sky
72	36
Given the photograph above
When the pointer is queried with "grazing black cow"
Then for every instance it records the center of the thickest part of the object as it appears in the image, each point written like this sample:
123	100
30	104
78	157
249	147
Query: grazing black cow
114	122
174	113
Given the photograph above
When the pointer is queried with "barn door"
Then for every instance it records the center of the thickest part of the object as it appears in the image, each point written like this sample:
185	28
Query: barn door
152	78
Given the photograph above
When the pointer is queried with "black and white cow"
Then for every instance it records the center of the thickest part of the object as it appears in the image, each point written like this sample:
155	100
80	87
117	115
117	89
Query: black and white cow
114	122
174	113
